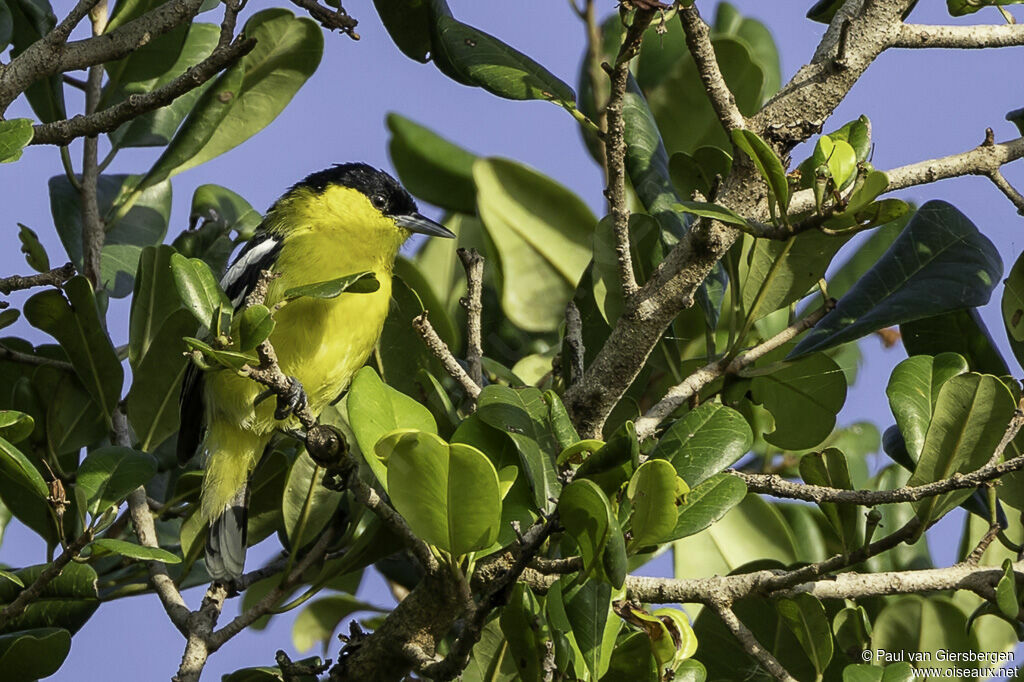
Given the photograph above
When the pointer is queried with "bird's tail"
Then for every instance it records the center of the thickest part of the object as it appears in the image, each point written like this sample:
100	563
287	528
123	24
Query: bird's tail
225	544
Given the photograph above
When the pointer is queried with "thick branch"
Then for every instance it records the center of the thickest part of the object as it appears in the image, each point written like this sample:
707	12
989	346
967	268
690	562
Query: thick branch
63	132
698	40
679	394
52	56
962	37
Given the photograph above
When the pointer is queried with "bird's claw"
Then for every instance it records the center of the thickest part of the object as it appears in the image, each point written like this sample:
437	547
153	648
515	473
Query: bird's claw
293	400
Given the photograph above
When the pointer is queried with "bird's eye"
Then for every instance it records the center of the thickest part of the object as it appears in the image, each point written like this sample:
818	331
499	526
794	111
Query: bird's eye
379	201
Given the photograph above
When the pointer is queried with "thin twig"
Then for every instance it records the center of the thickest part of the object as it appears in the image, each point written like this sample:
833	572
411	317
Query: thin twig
975	556
62	132
749	642
679	394
698	40
1006	188
330	19
52	278
473	262
93	229
33	591
573	342
441	351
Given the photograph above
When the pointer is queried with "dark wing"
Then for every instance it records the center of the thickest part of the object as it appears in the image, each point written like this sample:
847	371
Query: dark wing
258	254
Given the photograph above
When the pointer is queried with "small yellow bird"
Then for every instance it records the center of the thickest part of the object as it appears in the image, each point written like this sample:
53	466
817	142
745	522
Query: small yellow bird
343	220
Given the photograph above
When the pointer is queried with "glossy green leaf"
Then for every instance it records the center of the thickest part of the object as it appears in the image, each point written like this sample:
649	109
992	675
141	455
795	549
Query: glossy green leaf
135	551
1006	591
23	490
523	415
875	182
306	504
15	134
653	492
758	39
156	128
144	225
852	629
805	617
829	468
913	391
804	398
356	283
199	290
33	654
226	209
713	211
431	167
704	442
959	8
783	271
915	623
15	426
109	474
376	409
962	332
254	326
491	660
67	601
939	263
1013	301
75	322
215	357
542	233
31	20
316	623
707	503
588	614
524	626
9	317
248	96
35	254
867	254
481	59
408	23
447	493
970	416
585	512
73	419
768	165
840	159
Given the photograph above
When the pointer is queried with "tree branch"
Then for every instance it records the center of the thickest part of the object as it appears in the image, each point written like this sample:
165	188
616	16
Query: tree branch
749	642
679	394
473	262
63	132
33	591
53	278
959	37
330	19
441	351
698	40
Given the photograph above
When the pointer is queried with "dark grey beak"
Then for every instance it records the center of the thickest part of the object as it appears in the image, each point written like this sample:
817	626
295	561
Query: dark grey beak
414	222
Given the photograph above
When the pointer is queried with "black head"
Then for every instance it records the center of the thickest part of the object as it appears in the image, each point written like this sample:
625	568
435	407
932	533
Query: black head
383	191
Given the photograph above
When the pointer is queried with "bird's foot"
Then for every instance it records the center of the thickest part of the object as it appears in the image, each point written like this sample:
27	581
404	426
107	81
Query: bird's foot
290	401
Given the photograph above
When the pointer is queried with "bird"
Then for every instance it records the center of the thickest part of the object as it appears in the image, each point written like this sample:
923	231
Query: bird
342	220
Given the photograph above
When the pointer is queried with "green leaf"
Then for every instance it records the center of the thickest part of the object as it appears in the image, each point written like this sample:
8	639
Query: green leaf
970	416
913	391
490	660
431	167
357	283
447	493
586	513
482	60
866	255
376	409
199	290
15	134
768	165
7	575
33	654
805	617
408	23
705	441
706	503
939	263
225	209
109	474
9	317
783	271
1006	591
35	254
542	233
1013	300
316	623
67	601
75	322
840	159
959	8
156	128
915	623
248	96
307	505
222	358
653	492
862	672
144	225
134	551
586	611
962	332
15	426
23	490
804	398
875	182
255	326
31	20
523	415
852	628
829	468
713	211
